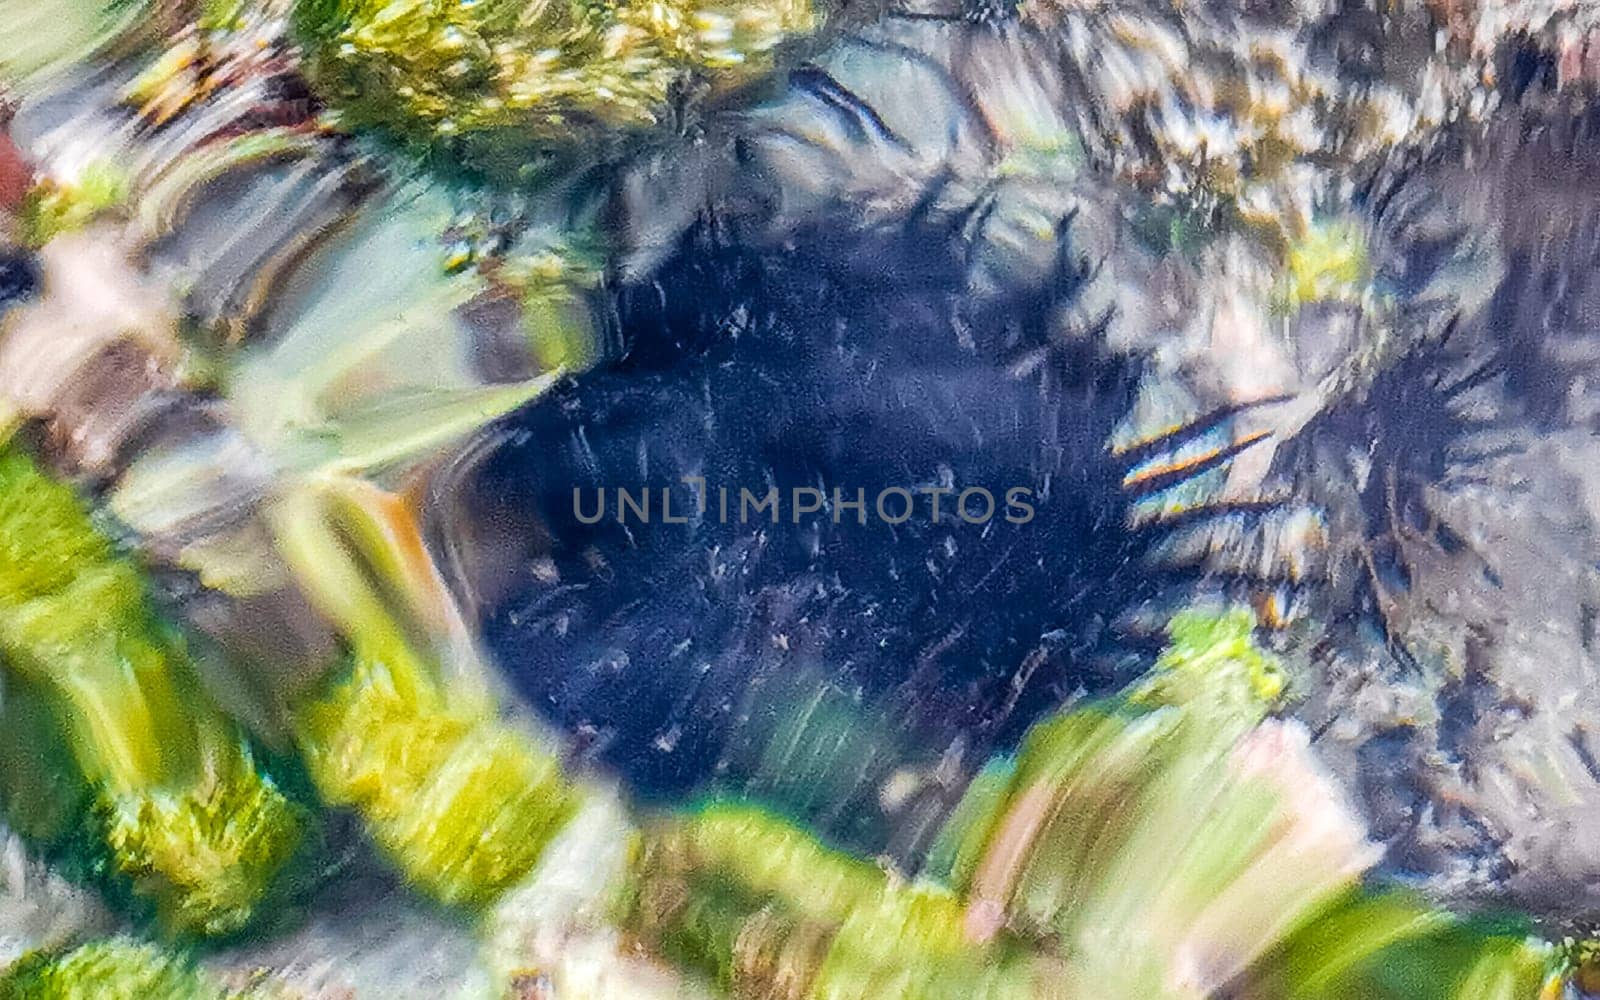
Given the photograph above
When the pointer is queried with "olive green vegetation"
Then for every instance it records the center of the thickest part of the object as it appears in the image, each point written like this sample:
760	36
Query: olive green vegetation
461	802
406	734
506	77
53	208
1382	945
1172	841
131	749
764	909
1213	656
1167	842
113	969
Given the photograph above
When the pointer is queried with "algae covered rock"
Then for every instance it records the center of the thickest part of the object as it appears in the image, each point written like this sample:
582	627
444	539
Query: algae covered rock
509	78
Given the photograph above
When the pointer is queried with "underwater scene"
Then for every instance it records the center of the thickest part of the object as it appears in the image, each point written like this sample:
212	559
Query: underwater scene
800	499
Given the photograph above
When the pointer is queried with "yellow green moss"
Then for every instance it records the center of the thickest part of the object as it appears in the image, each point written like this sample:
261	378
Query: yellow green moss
460	801
112	969
532	74
187	817
55	207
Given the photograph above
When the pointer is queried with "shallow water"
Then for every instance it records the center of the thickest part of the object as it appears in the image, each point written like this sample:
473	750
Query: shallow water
754	500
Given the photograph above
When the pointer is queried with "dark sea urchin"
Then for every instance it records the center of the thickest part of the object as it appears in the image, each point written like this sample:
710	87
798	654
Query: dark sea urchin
1293	371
